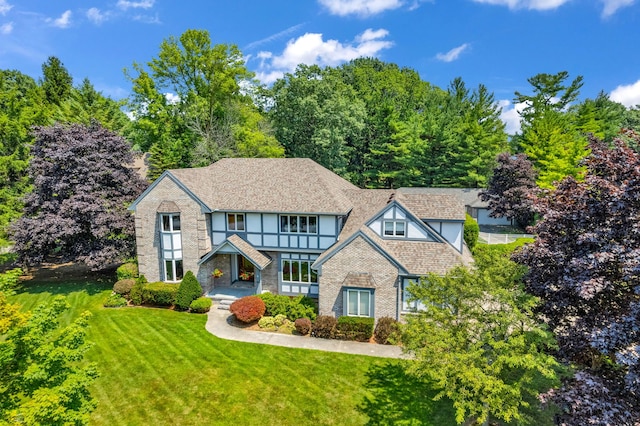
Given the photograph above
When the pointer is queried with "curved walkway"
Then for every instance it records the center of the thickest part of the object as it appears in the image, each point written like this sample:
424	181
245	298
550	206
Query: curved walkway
218	324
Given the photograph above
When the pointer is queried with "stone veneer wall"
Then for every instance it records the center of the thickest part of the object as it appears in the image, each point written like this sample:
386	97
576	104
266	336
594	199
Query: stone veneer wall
194	225
270	274
360	257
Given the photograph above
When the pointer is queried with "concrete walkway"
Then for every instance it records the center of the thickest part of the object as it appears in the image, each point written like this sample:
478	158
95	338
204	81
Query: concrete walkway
219	324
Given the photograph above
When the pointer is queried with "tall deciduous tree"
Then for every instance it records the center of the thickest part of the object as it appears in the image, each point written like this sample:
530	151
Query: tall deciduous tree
192	94
511	189
78	207
475	338
584	266
316	115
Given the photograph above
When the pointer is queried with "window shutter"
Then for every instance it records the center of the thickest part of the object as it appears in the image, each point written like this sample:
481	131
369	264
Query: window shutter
345	302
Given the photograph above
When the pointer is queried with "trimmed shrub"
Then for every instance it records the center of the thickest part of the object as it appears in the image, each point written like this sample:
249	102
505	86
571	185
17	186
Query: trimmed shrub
386	330
287	328
188	291
135	295
303	326
324	327
127	270
201	305
471	232
267	322
248	309
141	280
359	329
159	293
279	320
115	301
123	287
291	307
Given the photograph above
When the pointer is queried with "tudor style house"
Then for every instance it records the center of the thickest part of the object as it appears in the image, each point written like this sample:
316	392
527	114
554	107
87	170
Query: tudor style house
290	226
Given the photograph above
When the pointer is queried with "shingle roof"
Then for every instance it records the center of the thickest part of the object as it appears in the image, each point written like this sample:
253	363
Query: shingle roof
285	185
168	207
468	196
416	257
432	206
359	279
259	259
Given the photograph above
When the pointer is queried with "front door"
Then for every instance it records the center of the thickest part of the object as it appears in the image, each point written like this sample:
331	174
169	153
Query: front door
244	270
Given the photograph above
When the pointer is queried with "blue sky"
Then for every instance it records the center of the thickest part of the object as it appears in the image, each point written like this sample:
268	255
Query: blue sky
499	43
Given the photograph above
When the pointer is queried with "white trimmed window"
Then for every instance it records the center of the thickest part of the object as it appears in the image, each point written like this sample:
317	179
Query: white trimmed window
359	303
297	269
407	305
235	221
298	224
394	228
171	240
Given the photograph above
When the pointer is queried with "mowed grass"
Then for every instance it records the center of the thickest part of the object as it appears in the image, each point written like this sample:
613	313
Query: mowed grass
162	367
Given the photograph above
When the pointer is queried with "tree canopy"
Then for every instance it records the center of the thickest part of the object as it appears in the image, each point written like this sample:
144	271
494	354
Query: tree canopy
584	267
82	188
476	339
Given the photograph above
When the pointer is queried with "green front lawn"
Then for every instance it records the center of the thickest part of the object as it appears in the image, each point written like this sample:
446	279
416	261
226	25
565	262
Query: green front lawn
162	367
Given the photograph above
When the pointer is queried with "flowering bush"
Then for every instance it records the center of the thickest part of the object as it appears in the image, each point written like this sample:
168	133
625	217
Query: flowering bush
248	309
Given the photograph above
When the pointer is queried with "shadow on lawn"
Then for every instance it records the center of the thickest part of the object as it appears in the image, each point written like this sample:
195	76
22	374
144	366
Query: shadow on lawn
398	398
62	279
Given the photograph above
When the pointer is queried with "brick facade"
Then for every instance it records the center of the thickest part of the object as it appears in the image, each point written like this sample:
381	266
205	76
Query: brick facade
194	231
360	257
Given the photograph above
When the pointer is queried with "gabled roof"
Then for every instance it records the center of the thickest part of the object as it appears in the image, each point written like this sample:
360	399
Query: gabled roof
284	185
242	247
412	257
431	206
468	196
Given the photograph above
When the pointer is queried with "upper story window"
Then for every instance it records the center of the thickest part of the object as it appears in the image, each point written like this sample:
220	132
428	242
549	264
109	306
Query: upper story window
235	221
394	228
297	224
170	222
171	239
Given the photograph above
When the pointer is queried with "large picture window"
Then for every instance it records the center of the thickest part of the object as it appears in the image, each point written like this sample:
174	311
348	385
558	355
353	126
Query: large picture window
235	221
297	224
407	305
298	271
171	240
359	303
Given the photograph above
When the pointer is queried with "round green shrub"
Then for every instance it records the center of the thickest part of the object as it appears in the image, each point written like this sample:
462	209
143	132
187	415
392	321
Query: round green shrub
115	301
303	326
279	320
127	270
386	329
135	295
471	232
248	309
201	305
188	291
267	322
159	293
123	287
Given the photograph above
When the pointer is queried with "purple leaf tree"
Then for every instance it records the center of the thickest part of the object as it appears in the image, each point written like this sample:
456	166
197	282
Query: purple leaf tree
82	186
585	267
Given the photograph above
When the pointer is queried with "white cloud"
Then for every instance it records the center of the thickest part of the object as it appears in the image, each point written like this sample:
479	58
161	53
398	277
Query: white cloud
4	7
527	4
510	115
172	98
63	21
612	6
312	49
360	7
453	54
96	16
628	95
142	4
148	19
6	28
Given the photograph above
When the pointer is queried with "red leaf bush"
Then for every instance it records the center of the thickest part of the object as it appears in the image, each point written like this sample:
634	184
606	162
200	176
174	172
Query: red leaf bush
303	326
248	309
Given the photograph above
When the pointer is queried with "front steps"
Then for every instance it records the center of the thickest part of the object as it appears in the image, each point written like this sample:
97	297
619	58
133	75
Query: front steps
223	301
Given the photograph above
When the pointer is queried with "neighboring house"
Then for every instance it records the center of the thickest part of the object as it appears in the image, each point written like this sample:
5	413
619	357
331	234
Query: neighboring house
470	197
290	226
